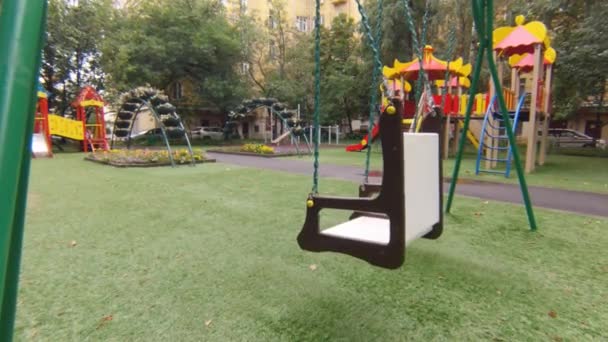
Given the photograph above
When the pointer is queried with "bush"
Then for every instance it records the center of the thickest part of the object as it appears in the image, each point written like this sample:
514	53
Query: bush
257	148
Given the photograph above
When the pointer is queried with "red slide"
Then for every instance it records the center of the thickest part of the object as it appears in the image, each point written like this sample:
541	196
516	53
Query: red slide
363	144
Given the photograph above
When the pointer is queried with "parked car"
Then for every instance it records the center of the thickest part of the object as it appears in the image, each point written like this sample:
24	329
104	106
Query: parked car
207	133
561	137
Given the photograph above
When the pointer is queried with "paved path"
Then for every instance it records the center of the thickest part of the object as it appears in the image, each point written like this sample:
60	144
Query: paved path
574	201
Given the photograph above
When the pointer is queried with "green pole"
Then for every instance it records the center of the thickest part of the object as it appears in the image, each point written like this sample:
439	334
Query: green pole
505	116
479	25
21	35
467	120
484	25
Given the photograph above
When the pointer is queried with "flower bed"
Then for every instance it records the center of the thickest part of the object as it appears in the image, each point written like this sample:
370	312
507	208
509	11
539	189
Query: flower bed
258	150
146	158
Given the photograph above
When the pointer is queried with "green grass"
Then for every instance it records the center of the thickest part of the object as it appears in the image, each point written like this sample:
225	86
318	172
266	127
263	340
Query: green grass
209	254
560	171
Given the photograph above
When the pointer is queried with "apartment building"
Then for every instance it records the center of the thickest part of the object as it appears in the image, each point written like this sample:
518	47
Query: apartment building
300	13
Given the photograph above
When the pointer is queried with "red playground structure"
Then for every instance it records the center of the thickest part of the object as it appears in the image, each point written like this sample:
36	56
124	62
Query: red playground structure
89	110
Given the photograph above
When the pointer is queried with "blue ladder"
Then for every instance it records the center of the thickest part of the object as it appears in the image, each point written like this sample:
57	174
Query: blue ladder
502	146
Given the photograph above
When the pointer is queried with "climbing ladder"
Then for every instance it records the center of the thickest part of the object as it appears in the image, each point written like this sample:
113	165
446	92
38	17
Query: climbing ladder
494	144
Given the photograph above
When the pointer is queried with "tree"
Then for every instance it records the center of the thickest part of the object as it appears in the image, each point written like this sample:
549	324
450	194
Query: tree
345	78
71	54
578	28
167	40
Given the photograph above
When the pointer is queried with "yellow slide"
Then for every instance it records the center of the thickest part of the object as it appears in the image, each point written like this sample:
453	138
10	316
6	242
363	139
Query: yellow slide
470	135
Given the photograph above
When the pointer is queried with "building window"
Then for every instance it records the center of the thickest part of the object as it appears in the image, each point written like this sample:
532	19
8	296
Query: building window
244	68
272	21
178	91
273	50
302	24
321	21
256	129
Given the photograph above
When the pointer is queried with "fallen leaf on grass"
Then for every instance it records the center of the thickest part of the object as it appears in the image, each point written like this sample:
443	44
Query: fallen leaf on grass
498	292
478	213
552	314
208	322
312	267
104	321
73	243
486	202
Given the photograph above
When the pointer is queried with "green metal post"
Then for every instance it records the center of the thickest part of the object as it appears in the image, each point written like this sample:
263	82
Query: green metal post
479	26
467	120
484	25
505	116
21	35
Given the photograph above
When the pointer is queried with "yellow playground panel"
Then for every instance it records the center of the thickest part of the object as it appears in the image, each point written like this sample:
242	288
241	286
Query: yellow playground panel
67	128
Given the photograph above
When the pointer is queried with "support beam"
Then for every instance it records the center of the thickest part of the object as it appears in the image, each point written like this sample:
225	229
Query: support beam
533	123
21	34
547	111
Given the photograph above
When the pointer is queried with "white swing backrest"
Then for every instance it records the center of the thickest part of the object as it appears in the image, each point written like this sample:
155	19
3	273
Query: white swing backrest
421	174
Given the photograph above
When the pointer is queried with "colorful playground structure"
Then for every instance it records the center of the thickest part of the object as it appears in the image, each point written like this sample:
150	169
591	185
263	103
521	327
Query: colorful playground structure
278	123
525	50
88	128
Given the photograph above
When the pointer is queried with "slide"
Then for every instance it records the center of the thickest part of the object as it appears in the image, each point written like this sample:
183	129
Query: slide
281	137
363	144
40	147
473	133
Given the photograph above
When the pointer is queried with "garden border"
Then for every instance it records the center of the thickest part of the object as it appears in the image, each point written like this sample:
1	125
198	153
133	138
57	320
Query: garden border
251	154
143	165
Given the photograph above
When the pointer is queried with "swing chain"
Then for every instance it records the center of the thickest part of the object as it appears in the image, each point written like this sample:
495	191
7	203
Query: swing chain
418	50
317	97
449	57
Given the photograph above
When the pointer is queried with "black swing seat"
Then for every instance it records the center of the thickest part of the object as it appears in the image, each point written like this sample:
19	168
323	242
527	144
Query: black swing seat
387	217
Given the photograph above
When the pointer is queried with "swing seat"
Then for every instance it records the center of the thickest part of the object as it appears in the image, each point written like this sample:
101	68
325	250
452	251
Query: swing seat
407	205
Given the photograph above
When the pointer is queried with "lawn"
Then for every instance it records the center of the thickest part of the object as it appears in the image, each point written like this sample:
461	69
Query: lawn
209	253
560	171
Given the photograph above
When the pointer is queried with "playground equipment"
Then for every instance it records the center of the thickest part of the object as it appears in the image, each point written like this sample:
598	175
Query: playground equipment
494	131
88	128
164	113
280	123
408	203
483	15
41	137
524	46
89	111
399	89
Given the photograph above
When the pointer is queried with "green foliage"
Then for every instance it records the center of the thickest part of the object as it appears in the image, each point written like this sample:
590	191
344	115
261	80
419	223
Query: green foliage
71	54
579	33
169	40
345	78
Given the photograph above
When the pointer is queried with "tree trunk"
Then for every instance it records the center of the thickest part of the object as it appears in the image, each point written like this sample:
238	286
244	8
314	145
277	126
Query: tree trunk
600	106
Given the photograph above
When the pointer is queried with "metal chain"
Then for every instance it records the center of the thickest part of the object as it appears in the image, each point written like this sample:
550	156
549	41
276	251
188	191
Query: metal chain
317	110
379	34
377	69
449	57
418	50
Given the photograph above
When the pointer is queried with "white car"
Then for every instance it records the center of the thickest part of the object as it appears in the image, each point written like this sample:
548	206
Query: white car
208	133
560	137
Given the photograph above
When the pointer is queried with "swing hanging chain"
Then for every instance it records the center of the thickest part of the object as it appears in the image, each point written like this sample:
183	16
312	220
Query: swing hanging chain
317	97
449	57
373	105
418	50
376	72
